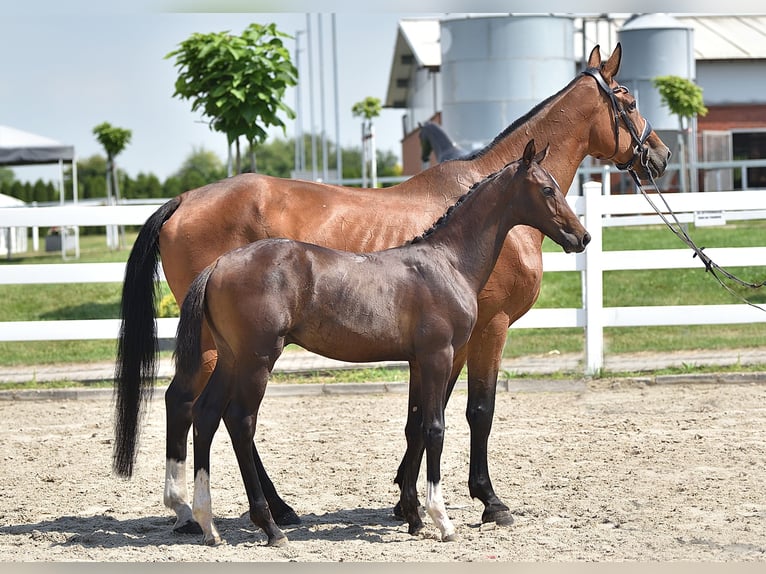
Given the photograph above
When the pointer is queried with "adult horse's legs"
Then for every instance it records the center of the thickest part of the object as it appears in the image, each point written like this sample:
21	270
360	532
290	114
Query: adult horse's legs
240	419
485	351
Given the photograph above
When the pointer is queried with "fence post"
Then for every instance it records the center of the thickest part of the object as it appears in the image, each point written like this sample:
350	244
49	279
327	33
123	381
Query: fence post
593	288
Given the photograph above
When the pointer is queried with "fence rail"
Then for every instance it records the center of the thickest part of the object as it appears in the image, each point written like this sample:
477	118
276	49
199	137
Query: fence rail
598	210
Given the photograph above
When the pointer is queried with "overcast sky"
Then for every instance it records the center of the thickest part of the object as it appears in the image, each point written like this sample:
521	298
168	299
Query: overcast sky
68	66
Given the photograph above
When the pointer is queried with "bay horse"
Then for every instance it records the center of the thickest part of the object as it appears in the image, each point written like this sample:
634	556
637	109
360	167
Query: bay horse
417	302
434	139
592	115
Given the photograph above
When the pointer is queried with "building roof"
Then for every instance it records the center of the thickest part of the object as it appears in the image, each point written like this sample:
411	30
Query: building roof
727	37
417	45
716	37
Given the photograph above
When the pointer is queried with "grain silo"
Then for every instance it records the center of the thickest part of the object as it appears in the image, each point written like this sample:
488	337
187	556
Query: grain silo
494	69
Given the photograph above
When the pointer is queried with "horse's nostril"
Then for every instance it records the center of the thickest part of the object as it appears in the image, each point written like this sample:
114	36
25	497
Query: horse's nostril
586	239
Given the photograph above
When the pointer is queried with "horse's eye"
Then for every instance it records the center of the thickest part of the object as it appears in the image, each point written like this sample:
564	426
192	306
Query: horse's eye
632	106
548	191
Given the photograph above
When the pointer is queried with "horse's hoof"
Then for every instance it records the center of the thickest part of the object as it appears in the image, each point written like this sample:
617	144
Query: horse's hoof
416	528
450	537
500	517
287	518
213	541
277	541
188	527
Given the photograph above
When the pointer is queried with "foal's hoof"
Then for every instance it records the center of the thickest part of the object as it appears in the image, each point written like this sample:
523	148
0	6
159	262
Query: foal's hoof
213	541
450	537
287	518
502	517
188	527
277	541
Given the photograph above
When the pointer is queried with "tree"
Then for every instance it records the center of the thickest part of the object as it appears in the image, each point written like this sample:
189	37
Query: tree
238	82
114	140
684	99
199	168
368	109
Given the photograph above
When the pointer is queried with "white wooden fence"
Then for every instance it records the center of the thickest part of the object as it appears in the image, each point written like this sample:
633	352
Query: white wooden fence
598	211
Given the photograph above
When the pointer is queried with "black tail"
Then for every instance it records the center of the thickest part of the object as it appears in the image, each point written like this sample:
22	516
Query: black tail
137	346
187	355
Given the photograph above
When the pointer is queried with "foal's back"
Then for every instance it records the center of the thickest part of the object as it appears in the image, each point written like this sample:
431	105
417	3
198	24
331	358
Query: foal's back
356	307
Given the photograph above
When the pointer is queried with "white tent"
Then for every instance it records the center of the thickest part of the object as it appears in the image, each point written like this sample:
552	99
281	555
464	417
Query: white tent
12	239
18	147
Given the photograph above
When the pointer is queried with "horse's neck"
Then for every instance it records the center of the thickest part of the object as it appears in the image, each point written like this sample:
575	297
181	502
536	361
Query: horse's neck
560	124
473	235
441	140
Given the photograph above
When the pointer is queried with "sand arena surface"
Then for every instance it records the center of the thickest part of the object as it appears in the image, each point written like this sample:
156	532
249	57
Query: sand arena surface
619	471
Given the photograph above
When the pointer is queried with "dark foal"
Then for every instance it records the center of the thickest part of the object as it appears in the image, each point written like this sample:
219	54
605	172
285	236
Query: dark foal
417	302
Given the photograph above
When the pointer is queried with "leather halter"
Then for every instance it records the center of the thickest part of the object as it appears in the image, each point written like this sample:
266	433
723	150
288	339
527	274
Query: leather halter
639	150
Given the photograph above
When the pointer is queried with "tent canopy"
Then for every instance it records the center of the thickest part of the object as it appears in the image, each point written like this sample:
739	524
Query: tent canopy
18	147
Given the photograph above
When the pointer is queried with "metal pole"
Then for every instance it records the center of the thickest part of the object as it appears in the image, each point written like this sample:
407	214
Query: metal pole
338	154
311	100
322	97
299	157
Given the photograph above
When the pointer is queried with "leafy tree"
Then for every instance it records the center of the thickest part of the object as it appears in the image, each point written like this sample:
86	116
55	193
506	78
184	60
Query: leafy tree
237	81
684	99
6	177
114	140
90	177
199	168
368	109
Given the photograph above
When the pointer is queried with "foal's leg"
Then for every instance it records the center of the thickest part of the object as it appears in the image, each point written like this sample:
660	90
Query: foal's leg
179	399
409	469
413	429
434	375
485	351
207	413
240	419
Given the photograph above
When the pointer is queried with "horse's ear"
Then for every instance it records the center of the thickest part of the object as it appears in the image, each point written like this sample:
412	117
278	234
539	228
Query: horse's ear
541	156
594	60
612	65
529	153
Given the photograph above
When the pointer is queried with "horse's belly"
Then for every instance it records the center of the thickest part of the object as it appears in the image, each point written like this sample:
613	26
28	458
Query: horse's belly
336	341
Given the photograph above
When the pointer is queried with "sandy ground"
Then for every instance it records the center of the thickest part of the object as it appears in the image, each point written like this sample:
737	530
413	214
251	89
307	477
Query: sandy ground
617	472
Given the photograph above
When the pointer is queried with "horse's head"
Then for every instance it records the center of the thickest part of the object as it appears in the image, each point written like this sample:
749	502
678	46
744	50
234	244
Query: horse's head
544	206
626	137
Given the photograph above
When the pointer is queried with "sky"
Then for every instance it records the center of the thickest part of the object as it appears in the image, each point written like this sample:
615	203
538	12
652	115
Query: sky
65	67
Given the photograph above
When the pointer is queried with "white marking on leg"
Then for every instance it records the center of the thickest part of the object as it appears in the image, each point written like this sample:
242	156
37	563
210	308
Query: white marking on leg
176	496
202	508
438	512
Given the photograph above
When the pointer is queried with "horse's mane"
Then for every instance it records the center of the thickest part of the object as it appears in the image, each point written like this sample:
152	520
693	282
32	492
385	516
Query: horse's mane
516	124
452	208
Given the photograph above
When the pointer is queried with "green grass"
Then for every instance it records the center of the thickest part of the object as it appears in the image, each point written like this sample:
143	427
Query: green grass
562	289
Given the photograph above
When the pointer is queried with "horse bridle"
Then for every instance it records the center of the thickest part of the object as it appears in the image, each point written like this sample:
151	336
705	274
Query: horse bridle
640	149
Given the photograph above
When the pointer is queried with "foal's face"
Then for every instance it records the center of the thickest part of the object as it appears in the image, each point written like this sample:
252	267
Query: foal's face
549	211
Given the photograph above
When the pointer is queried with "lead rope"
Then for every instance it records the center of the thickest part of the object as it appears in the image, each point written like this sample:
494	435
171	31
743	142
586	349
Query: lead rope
710	266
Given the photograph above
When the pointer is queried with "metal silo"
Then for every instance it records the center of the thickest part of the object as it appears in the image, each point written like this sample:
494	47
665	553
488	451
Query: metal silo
494	69
655	45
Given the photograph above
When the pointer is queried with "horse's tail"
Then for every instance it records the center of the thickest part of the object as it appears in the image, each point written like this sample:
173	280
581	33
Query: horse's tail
137	347
188	353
